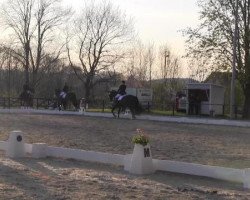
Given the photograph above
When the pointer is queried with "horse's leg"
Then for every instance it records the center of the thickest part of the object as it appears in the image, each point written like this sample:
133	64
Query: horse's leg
119	110
112	111
59	105
21	103
64	106
30	102
75	104
74	101
25	103
132	109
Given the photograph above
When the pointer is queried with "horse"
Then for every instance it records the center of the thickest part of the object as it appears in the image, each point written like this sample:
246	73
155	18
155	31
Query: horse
127	101
26	98
64	100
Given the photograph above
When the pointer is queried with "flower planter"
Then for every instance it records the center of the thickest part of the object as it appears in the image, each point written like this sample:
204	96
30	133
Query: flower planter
141	161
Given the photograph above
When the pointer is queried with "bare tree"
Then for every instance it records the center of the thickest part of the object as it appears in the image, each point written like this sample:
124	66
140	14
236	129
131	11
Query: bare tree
17	15
33	24
139	64
151	56
99	35
4	56
49	16
197	71
170	68
170	64
10	72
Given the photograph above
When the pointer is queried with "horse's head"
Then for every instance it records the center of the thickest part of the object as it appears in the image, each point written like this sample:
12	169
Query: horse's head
27	94
57	93
112	95
26	98
22	95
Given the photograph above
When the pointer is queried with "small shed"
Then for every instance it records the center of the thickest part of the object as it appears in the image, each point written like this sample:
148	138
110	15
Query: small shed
205	98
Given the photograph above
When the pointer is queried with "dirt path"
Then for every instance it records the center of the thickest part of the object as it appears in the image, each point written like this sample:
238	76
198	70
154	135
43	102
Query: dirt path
68	179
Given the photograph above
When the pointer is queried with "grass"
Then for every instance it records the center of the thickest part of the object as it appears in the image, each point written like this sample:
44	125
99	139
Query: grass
162	113
166	113
107	110
151	112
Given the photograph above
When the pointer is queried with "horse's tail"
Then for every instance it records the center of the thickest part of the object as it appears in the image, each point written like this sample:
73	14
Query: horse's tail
21	95
73	99
138	106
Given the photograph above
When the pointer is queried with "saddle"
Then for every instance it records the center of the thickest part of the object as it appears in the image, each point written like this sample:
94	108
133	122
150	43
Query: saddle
63	95
121	97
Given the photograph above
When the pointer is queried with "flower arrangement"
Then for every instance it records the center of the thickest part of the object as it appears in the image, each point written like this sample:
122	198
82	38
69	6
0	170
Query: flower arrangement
140	138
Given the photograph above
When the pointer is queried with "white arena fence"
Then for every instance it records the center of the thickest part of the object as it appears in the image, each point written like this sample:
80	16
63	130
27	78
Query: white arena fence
15	147
176	119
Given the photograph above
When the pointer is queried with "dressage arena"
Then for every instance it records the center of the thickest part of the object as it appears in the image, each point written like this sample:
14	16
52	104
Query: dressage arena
55	178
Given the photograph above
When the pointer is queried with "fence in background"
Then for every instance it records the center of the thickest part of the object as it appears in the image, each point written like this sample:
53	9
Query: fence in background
103	105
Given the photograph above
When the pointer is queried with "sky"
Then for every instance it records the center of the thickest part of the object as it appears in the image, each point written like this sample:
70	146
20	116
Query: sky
157	21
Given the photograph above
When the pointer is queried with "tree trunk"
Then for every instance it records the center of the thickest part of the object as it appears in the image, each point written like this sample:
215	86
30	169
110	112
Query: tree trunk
27	81
246	112
87	93
26	48
87	89
33	81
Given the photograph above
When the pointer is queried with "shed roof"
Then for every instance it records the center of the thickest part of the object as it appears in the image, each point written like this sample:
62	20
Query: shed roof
203	86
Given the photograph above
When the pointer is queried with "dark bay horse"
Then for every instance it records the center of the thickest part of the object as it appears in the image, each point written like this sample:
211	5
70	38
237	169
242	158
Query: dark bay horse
26	98
128	101
63	101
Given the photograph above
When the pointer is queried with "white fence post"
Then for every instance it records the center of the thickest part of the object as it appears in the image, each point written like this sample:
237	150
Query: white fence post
141	161
15	145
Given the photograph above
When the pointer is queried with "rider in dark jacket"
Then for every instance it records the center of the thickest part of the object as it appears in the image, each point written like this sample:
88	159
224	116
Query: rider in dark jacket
120	92
64	91
66	88
122	89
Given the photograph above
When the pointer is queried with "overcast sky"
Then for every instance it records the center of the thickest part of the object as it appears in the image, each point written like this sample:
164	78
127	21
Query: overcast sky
157	21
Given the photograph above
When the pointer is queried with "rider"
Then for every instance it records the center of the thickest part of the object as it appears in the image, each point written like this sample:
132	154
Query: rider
121	91
66	88
27	89
64	91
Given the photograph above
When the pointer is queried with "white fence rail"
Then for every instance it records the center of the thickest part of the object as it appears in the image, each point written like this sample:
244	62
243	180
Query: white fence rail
216	172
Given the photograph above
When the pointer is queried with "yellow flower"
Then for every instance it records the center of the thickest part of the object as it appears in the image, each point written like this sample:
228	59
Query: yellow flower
140	138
